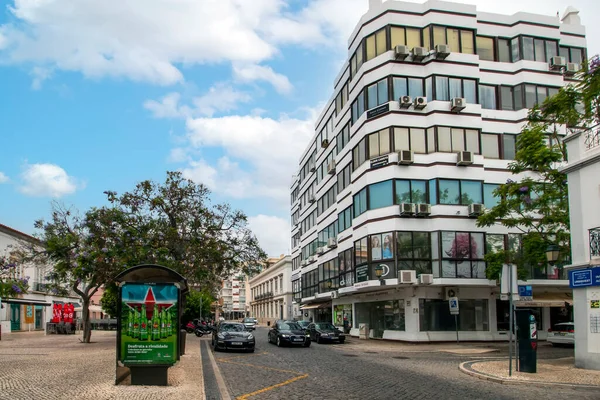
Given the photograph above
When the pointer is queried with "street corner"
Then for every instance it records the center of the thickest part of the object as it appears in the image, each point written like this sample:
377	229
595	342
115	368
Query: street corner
556	372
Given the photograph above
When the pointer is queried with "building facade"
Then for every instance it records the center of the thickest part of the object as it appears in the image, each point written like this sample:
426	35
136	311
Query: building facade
271	291
407	153
583	172
32	310
232	296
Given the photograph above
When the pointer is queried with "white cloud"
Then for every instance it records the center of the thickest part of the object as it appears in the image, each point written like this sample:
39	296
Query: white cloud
47	180
273	233
178	155
221	97
253	72
39	75
3	177
261	154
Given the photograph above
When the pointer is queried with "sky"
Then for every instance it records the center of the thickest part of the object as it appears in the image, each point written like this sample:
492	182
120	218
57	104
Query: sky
98	95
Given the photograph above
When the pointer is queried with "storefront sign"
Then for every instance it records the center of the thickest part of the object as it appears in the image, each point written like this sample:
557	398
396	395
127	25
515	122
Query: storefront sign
29	314
594	303
453	303
382	109
380	161
362	273
149	325
584	277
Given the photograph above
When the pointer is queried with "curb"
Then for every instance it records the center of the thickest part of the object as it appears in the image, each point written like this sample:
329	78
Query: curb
466	367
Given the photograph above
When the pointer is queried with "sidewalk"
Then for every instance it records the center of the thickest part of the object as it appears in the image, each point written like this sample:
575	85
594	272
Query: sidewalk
34	366
560	372
464	348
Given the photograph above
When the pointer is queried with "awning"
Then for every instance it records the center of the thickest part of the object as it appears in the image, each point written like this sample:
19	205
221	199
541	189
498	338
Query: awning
547	300
314	306
26	301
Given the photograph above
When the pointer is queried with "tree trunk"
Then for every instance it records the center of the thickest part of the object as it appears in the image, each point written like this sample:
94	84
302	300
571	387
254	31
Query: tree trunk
85	318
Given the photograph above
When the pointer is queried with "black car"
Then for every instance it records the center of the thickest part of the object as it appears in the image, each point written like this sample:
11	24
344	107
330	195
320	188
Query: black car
325	332
232	335
303	324
288	332
249	323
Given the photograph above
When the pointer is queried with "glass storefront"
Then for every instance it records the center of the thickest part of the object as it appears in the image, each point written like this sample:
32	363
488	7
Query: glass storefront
434	315
342	316
381	316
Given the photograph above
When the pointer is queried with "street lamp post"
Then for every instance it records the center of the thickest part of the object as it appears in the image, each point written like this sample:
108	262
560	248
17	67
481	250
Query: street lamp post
552	253
379	273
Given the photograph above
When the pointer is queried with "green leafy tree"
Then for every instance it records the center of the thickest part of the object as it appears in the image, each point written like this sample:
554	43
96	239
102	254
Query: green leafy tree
194	301
109	299
535	201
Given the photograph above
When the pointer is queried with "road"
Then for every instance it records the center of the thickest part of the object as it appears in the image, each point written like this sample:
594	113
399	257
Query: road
351	371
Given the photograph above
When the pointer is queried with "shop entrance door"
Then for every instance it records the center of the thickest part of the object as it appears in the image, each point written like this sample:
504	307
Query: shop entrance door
376	319
15	317
39	315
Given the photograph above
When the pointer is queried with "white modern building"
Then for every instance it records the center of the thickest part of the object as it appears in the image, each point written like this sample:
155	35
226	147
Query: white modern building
583	172
32	310
418	133
232	296
271	291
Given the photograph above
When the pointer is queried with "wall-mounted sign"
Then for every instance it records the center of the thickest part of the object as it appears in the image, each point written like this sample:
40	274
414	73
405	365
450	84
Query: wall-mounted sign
362	273
594	303
382	109
380	161
584	277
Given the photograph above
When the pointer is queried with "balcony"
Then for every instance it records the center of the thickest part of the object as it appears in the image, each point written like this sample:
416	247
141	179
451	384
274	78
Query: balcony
592	138
551	272
263	296
594	243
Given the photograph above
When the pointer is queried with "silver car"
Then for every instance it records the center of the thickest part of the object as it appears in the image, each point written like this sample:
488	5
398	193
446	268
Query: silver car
562	334
249	323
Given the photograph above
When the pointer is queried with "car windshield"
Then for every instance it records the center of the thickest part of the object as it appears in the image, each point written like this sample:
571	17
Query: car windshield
325	326
232	328
249	320
288	326
302	323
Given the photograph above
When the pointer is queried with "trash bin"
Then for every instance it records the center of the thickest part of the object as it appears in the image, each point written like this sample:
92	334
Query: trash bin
182	337
268	323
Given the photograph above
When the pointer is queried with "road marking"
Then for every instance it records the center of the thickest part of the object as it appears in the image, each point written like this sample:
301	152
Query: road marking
219	378
294	379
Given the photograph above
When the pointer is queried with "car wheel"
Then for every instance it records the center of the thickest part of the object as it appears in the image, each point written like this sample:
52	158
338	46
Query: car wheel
278	341
251	350
307	344
342	341
268	338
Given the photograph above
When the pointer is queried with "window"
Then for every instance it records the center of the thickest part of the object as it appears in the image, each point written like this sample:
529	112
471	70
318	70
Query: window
459	40
345	219
506	98
376	44
411	191
414	251
452	140
407	87
380	195
356	61
343	138
358	107
410	139
515	49
360	251
504	50
392	316
435	315
359	154
413	37
572	54
462	255
310	283
489	200
490	145
487	97
485	48
327	200
448	88
328	276
459	192
377	94
379	143
360	202
329	231
535	49
346	267
343	178
509	147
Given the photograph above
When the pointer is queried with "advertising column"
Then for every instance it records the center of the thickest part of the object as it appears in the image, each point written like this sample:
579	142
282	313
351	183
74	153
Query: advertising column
146	337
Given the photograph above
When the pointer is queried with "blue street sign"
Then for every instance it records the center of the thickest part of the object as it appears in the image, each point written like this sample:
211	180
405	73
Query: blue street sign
525	291
584	277
453	303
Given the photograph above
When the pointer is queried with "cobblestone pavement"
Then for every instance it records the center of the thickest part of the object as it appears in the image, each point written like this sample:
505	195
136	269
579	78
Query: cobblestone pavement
34	366
376	371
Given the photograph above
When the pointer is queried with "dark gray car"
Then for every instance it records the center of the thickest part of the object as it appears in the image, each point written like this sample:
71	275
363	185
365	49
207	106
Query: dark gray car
232	335
288	332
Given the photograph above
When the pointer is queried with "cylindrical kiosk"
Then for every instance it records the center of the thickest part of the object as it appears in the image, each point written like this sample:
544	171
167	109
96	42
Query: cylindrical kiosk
148	313
527	340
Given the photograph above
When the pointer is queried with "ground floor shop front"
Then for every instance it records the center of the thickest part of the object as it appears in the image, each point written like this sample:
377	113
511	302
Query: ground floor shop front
30	312
422	314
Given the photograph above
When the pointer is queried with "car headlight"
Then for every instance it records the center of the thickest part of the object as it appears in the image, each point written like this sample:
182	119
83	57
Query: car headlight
250	336
324	334
307	335
284	335
220	336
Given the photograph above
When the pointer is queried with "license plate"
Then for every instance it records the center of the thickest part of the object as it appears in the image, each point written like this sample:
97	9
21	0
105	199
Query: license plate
236	343
562	334
297	340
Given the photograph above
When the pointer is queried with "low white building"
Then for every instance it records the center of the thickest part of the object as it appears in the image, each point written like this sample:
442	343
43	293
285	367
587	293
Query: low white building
27	311
583	172
271	292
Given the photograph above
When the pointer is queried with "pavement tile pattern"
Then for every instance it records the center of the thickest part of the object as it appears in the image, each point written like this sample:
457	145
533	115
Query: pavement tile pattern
34	366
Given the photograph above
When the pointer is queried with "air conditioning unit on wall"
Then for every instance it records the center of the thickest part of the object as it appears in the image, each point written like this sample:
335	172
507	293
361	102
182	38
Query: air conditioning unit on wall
476	209
401	52
405	157
458	104
420	102
331	242
442	51
426	279
464	158
407	276
423	209
407	209
405	101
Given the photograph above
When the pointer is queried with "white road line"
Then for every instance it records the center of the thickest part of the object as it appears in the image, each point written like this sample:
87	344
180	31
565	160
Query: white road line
219	378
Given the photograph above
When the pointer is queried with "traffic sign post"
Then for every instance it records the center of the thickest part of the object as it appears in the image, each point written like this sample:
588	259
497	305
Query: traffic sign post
454	309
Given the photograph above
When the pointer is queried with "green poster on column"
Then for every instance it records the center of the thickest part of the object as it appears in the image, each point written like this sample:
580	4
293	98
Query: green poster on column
148	336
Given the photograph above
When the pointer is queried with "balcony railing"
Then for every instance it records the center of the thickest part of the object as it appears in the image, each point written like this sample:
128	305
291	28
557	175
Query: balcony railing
592	138
263	296
595	242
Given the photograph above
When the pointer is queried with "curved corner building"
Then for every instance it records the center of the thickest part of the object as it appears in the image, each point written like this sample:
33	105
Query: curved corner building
418	133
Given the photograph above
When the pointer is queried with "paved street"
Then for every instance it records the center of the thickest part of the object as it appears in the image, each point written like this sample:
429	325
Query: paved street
353	371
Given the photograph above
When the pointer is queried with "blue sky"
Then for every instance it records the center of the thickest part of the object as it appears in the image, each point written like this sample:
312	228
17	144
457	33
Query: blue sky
99	95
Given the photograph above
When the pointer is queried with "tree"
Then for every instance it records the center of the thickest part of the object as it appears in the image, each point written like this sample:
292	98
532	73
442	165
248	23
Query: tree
536	201
10	285
109	299
194	301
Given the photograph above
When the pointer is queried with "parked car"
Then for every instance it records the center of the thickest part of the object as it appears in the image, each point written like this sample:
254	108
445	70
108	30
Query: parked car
232	335
562	334
288	332
325	332
249	323
303	324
